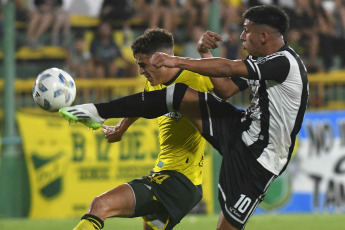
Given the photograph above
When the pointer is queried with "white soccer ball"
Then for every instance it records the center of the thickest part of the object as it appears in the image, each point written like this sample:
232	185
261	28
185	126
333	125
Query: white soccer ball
54	89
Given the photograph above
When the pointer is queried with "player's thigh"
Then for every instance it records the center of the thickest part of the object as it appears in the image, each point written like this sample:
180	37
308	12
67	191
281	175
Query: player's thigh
223	224
117	202
191	109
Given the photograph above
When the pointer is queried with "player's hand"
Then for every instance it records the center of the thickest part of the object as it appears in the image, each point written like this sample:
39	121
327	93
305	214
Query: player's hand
209	40
161	59
112	133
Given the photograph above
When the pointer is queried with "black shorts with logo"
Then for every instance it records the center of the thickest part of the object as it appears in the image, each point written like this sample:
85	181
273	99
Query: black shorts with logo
164	198
243	181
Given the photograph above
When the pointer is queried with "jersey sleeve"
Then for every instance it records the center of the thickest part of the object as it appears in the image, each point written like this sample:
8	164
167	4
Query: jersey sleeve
208	84
241	83
273	67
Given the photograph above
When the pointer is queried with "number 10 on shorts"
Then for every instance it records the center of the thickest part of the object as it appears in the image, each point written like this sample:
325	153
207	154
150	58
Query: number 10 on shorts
243	203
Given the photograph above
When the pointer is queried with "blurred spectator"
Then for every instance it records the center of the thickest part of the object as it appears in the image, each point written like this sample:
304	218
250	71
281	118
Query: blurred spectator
143	11
104	51
61	22
339	30
47	13
188	14
79	58
202	7
294	37
193	13
230	14
325	30
40	20
22	12
189	49
165	12
119	11
232	46
302	19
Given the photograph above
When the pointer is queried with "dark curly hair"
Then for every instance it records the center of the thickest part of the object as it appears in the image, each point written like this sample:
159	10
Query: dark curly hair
153	40
269	15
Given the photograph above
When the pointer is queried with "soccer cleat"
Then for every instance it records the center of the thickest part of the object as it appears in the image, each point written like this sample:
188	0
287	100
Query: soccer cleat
86	114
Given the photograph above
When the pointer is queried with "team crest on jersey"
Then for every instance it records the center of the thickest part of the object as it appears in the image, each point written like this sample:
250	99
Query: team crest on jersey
176	115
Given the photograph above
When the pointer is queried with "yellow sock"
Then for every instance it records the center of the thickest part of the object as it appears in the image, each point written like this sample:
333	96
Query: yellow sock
85	225
89	222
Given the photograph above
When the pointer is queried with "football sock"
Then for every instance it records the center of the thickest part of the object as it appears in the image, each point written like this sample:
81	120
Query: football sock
146	104
89	222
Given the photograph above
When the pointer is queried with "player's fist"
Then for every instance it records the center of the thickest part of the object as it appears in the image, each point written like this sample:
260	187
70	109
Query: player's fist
112	133
209	40
161	59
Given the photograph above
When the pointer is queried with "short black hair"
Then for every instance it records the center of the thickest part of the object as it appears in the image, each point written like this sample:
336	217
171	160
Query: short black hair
269	15
153	40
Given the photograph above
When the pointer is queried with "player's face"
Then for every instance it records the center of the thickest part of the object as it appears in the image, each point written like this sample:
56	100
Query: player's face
154	75
251	37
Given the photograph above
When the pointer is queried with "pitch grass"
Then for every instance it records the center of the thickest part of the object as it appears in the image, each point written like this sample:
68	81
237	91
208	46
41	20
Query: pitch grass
191	222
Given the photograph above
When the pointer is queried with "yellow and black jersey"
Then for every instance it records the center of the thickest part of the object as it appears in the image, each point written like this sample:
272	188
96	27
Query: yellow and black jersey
181	145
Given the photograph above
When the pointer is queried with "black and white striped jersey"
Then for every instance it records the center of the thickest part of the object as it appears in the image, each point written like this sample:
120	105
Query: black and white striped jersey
278	101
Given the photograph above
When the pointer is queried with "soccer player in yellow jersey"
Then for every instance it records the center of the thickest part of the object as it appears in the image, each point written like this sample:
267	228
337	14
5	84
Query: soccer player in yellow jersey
173	188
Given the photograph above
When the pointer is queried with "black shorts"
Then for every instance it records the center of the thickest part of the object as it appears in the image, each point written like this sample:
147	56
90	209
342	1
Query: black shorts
243	181
164	198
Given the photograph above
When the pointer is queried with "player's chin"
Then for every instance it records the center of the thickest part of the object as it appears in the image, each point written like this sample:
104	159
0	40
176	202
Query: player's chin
152	82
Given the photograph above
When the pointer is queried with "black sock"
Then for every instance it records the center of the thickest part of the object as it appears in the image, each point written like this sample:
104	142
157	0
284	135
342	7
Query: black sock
146	104
96	221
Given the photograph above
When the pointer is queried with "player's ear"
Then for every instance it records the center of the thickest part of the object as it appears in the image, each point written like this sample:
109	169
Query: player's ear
264	37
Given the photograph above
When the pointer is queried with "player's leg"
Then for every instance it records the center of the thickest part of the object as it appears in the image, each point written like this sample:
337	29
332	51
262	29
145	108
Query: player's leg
223	224
118	202
177	97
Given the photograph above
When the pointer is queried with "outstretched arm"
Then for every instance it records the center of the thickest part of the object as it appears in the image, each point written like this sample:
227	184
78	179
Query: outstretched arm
212	67
115	133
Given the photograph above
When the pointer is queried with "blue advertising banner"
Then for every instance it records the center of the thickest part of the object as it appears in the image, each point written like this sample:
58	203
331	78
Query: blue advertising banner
315	179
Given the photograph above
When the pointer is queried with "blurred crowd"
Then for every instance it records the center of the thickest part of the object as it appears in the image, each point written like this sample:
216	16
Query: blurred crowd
317	30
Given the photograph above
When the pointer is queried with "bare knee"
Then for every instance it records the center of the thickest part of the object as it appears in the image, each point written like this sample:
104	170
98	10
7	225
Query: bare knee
98	208
117	202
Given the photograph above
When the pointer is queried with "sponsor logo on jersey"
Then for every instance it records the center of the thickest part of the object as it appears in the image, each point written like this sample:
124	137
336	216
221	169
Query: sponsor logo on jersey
176	115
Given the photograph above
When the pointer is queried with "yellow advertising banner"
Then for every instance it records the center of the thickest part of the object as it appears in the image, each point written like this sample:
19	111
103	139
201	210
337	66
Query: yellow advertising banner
68	165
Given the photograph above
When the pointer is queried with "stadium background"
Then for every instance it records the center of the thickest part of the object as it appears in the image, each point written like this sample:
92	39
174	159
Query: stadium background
49	169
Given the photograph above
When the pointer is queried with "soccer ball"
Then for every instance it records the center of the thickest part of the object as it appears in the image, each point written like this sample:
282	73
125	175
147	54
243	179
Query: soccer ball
54	89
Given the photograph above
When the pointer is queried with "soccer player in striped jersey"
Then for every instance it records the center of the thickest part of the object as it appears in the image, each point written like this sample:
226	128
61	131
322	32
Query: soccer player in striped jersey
256	144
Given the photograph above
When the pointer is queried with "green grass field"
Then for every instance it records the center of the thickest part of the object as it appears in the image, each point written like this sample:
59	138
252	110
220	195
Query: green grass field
258	222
